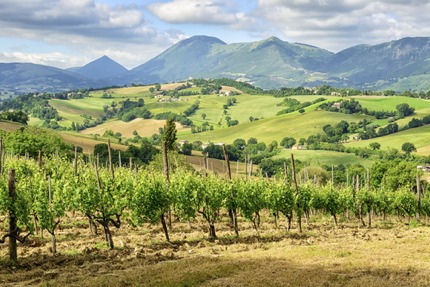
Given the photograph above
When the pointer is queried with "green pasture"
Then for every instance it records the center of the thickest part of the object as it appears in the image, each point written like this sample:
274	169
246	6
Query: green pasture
420	137
257	106
306	98
266	130
323	157
71	110
380	103
174	107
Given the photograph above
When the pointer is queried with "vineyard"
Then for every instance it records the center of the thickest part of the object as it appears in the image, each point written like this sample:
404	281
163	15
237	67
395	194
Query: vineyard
44	196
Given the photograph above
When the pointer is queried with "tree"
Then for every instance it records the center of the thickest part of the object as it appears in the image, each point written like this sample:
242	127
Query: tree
408	147
203	116
187	148
301	111
288	142
404	110
375	145
239	143
169	134
252	141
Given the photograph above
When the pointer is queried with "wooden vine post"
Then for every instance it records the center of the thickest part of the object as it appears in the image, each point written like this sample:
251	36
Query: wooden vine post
418	196
75	162
369	208
110	160
13	255
232	211
293	171
1	156
166	175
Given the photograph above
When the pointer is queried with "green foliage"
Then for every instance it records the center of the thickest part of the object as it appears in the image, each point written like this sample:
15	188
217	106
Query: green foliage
169	135
408	147
31	140
405	110
150	198
15	116
288	142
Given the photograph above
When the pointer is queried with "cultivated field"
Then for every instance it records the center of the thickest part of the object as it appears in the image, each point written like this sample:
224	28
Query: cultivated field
145	128
391	254
324	157
419	136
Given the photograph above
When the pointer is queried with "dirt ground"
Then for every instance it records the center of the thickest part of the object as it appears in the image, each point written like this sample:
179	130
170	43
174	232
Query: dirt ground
390	254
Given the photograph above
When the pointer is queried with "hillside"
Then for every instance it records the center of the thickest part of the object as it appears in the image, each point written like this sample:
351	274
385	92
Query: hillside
254	116
400	65
266	63
101	68
25	78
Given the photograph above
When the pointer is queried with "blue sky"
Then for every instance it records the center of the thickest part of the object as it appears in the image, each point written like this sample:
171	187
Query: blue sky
68	33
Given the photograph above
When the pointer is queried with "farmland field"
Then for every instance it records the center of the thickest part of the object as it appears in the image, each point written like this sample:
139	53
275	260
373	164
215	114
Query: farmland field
144	127
323	157
392	254
266	130
381	103
419	136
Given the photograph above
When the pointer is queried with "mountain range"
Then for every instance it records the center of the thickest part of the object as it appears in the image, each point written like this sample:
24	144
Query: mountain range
271	63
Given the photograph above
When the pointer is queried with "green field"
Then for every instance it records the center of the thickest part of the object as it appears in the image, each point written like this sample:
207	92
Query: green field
262	106
420	137
72	110
323	157
294	125
267	128
381	103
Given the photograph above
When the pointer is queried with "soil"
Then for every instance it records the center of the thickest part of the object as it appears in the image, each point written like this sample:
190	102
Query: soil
391	254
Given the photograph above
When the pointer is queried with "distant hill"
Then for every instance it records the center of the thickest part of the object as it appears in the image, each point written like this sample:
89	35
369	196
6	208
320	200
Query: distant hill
101	68
383	65
25	77
266	64
271	63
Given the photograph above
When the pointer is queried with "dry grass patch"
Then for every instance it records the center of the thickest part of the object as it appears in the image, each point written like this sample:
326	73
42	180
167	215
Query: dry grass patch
322	255
144	127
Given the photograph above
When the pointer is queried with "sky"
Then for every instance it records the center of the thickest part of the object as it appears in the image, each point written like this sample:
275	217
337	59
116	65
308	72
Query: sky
71	33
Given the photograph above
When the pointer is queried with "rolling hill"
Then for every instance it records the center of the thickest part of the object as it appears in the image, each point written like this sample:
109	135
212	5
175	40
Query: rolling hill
101	68
26	78
271	63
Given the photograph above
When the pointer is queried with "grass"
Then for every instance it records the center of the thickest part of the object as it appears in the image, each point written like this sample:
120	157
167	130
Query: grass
72	110
88	142
419	136
322	157
323	255
144	127
380	103
294	125
9	126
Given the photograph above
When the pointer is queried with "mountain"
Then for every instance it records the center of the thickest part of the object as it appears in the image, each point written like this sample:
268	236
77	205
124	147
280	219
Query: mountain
383	65
267	63
271	63
101	68
189	57
25	77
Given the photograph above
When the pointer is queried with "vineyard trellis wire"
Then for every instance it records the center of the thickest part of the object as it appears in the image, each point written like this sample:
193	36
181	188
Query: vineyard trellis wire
46	193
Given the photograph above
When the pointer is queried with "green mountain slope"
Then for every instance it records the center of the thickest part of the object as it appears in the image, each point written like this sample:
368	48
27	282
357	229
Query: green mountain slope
267	63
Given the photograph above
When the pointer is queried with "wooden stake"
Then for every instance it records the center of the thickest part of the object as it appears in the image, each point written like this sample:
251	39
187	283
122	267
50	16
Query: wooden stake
13	255
110	160
293	171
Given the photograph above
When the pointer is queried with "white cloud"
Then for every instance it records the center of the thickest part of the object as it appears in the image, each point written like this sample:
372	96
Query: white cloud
55	59
196	12
83	27
336	25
